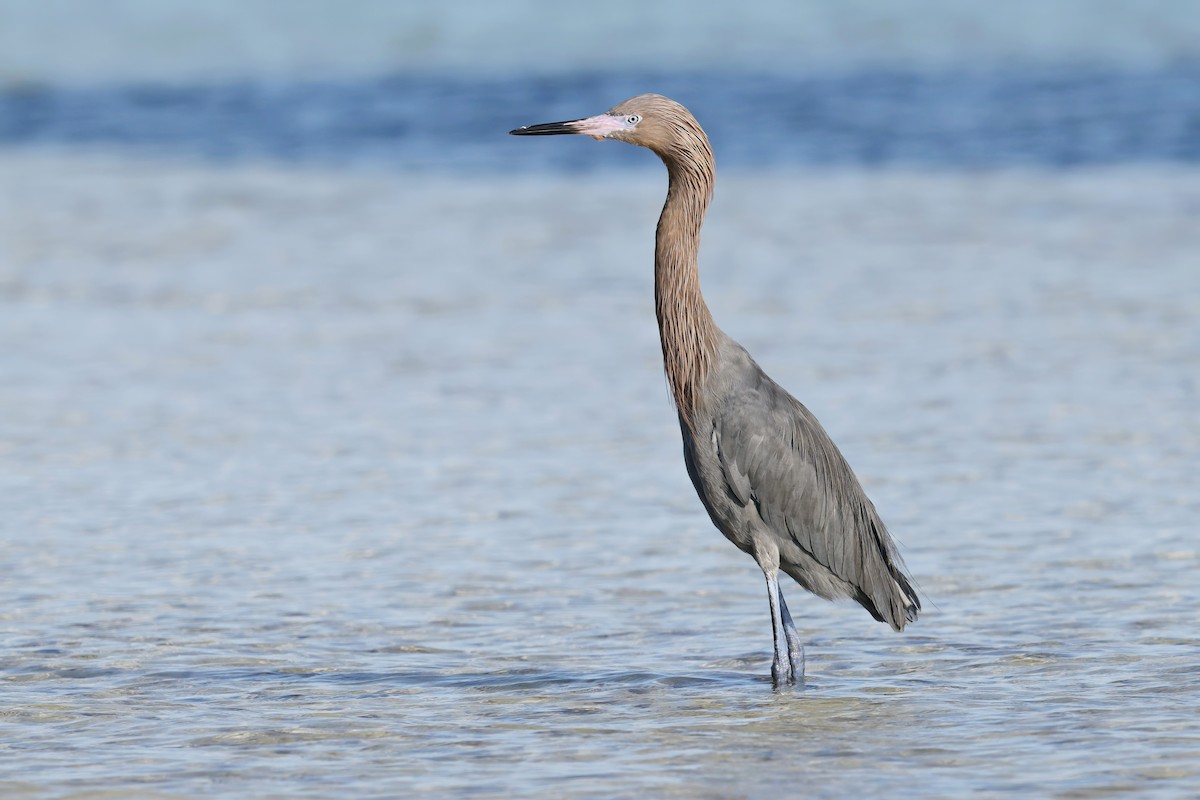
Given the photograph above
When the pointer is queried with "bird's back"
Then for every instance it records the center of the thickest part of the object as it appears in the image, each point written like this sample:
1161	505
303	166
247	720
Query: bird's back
764	466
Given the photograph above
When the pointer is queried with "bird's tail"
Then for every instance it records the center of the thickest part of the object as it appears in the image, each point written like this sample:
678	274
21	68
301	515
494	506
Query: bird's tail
898	604
909	598
898	610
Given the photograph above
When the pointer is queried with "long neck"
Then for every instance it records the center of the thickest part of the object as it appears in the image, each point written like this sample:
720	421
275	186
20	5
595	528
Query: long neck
687	330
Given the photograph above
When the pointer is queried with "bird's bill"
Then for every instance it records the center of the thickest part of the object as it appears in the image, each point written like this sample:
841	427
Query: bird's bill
597	127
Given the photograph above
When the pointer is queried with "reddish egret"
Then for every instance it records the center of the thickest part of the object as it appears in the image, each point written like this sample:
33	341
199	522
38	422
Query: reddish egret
770	477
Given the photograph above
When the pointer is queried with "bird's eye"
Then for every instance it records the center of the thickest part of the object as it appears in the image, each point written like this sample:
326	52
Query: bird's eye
633	119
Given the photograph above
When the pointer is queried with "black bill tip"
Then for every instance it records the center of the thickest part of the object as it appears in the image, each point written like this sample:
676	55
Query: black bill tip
546	129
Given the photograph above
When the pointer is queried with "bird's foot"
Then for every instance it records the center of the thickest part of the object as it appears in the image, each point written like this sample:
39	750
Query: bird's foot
796	663
791	672
787	674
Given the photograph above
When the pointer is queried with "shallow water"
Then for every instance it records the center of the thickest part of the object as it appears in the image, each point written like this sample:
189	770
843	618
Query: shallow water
304	491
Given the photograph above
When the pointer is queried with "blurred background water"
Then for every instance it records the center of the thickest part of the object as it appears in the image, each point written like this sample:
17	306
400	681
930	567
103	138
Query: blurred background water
335	456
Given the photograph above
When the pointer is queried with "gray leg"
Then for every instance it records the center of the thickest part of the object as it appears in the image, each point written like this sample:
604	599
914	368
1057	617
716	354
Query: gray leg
781	672
794	646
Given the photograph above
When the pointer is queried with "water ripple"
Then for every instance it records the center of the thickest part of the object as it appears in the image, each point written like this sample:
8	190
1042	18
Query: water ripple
307	492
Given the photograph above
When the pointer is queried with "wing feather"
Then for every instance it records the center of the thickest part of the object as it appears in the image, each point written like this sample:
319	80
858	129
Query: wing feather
774	453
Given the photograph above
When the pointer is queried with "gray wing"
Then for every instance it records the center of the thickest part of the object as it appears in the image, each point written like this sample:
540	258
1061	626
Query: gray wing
775	455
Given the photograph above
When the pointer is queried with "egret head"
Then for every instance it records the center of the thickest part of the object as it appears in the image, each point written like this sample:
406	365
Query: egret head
648	120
